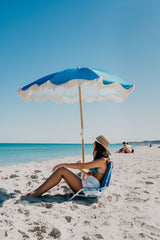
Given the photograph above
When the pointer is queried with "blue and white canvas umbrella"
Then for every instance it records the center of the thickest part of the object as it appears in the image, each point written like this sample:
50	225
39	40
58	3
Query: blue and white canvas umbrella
89	84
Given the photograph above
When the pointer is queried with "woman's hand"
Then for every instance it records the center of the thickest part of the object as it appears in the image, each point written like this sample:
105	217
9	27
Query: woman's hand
87	174
57	166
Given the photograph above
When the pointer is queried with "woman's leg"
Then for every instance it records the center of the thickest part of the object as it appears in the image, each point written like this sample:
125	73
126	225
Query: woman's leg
73	181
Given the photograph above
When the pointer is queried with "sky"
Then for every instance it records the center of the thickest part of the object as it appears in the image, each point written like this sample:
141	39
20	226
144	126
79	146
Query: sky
42	37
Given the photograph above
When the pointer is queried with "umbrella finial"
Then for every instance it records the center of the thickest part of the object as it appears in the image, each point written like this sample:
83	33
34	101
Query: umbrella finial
78	67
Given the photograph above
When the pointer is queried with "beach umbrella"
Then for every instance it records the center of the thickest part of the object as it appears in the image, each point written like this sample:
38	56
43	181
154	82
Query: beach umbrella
71	85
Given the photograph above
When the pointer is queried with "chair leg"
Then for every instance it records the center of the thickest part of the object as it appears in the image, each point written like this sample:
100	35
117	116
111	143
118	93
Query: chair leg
102	194
74	195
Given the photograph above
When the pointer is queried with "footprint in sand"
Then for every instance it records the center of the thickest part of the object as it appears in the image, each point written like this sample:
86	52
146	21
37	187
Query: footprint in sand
151	230
34	176
68	218
13	176
37	171
147	182
17	191
86	222
65	189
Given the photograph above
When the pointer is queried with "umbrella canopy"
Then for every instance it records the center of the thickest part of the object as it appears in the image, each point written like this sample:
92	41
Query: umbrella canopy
89	84
61	86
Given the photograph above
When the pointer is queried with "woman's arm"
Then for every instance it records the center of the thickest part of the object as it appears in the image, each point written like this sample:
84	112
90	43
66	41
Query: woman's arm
94	164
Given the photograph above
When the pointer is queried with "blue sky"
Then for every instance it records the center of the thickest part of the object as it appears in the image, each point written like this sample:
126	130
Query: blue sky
41	37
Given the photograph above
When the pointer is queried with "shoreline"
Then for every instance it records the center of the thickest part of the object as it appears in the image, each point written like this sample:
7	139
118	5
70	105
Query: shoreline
45	161
23	153
129	208
68	157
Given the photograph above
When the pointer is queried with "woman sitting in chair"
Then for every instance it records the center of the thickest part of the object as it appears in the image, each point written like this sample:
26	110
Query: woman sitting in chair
97	168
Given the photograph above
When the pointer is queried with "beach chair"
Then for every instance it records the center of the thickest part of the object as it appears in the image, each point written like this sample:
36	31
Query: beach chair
98	191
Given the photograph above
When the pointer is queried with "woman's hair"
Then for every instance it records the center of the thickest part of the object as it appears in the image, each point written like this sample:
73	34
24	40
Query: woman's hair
99	151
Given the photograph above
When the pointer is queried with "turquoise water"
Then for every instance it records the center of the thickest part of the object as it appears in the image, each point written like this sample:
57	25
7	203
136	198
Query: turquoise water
15	153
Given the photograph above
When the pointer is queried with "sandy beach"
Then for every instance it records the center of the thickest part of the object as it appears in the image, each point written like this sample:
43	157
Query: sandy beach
129	208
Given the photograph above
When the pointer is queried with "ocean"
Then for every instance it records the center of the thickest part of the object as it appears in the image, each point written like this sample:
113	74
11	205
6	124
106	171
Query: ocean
15	153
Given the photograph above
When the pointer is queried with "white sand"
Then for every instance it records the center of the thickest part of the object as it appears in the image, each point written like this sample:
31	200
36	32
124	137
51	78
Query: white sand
129	209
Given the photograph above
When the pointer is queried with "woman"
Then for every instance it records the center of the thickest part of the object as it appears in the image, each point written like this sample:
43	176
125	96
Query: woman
97	170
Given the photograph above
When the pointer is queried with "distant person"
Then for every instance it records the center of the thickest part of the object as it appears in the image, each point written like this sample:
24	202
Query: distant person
150	145
124	149
129	147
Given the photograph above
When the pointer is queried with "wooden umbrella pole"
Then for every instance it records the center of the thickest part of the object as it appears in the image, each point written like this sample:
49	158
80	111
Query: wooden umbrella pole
80	103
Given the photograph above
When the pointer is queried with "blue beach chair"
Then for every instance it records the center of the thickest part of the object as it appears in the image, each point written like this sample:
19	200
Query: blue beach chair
105	183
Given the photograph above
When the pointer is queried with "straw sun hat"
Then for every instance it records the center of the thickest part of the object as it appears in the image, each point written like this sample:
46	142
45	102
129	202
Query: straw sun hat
104	142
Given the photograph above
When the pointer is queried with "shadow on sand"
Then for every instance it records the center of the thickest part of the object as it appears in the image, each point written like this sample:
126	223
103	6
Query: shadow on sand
5	196
59	198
